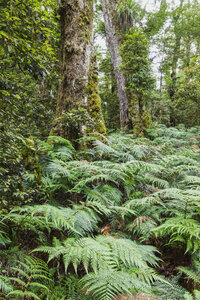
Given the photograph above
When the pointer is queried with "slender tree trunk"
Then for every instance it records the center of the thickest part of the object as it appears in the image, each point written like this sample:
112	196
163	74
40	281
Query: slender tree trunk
172	89
188	51
94	100
113	41
176	55
174	65
141	112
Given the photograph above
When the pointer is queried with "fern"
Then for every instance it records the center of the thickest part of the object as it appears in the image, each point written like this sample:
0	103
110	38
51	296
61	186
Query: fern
171	290
33	279
181	230
85	251
41	217
57	169
128	189
193	273
107	284
102	252
4	239
5	285
77	220
105	194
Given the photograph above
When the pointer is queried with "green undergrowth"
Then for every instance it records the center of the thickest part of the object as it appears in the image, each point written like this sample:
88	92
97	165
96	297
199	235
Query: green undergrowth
121	217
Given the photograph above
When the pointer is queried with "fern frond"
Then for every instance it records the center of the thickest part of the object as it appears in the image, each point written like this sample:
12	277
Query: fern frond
105	194
147	275
157	182
170	290
86	251
4	238
191	180
191	274
60	141
104	149
43	216
4	284
130	253
186	231
33	278
107	284
56	169
16	293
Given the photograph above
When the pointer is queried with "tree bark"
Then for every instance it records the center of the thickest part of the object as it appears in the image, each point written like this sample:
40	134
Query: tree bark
113	41
76	18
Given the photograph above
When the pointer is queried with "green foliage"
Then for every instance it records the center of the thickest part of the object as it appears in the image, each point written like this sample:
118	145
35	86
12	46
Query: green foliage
170	290
186	98
32	278
4	284
184	231
135	62
101	253
106	285
108	93
98	215
28	88
192	274
129	13
107	207
29	40
136	67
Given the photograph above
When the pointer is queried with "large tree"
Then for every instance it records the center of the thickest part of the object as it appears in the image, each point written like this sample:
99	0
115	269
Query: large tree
76	18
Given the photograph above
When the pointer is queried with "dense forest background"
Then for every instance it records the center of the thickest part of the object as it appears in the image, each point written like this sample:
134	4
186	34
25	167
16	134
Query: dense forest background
100	144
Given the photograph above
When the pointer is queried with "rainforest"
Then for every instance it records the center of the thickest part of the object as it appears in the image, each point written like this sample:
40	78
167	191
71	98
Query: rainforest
99	150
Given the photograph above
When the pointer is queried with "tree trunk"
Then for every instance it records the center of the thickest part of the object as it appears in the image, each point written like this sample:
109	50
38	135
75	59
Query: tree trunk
76	17
176	56
113	41
141	112
94	100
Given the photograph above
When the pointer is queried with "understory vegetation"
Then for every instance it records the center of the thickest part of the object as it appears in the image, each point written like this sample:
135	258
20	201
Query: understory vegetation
120	216
99	150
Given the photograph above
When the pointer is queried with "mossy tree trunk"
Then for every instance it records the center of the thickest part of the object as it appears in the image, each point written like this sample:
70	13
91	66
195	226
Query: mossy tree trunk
94	100
76	17
113	41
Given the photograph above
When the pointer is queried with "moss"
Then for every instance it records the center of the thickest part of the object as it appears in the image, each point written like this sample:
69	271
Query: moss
85	19
147	119
94	100
137	121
